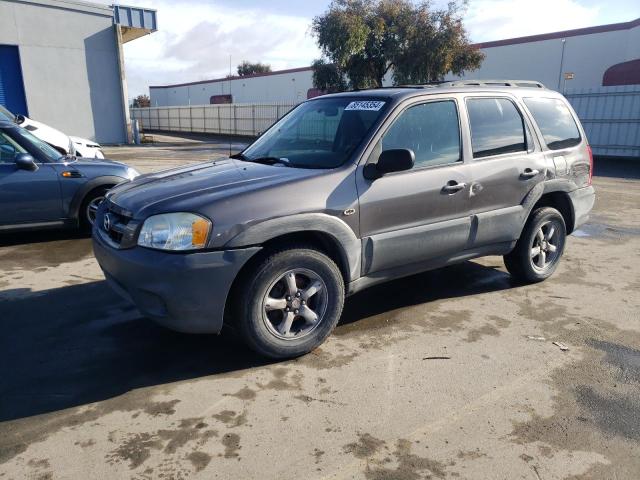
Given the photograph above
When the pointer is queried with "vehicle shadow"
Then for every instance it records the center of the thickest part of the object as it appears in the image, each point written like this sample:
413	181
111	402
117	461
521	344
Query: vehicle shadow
613	167
460	280
40	236
79	344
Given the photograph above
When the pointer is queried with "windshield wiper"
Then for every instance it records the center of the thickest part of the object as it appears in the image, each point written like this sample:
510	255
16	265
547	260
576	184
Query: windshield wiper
263	160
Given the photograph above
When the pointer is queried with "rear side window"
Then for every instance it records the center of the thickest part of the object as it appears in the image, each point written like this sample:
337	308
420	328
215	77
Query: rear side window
431	130
555	121
496	127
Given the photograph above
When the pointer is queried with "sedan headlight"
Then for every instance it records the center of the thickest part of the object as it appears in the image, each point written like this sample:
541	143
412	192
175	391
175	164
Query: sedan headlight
175	231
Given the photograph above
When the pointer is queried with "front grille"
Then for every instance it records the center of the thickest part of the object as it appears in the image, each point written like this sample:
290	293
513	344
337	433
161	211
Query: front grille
118	225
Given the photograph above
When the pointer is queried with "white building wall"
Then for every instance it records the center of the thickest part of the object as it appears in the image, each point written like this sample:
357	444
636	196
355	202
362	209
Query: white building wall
587	56
70	70
285	87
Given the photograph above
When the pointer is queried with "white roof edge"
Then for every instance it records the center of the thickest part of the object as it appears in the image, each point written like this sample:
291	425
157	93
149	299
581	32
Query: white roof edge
77	5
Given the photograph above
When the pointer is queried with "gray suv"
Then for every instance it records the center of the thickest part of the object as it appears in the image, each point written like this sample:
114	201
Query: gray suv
344	192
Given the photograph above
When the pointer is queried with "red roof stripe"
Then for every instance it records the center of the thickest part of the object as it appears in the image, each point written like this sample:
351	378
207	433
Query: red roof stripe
566	33
237	77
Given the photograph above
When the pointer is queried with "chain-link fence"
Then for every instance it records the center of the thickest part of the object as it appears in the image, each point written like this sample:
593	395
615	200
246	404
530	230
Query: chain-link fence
226	119
610	115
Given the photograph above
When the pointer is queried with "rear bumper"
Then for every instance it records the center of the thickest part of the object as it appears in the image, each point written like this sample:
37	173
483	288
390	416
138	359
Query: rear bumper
186	292
582	201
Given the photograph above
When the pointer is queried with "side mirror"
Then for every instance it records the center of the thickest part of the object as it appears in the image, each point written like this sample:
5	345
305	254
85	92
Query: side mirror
396	160
25	161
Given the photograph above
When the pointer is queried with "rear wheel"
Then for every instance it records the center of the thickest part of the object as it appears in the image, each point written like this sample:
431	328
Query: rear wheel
290	302
540	247
89	208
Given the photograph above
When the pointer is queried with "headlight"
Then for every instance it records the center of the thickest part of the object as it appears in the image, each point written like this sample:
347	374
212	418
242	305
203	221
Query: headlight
132	173
175	231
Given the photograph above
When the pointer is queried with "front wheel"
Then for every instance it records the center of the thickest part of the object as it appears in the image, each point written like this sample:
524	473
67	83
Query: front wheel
290	302
540	247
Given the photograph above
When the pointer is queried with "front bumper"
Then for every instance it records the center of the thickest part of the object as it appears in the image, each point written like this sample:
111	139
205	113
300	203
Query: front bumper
186	292
582	201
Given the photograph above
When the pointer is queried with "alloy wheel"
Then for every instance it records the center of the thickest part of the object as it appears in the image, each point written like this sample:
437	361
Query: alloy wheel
295	304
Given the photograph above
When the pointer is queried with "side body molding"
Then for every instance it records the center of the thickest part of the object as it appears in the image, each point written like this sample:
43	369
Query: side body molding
348	245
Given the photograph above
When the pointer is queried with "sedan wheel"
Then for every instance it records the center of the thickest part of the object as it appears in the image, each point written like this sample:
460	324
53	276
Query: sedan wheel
92	209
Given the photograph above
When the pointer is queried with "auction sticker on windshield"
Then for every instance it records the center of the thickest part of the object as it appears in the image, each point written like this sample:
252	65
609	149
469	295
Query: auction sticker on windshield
370	105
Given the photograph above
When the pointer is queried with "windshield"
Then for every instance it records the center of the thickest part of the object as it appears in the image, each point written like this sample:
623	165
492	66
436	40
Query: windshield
318	134
6	114
27	139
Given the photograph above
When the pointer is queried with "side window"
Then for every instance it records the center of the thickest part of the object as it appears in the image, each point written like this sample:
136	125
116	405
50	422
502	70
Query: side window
555	121
496	127
431	130
8	149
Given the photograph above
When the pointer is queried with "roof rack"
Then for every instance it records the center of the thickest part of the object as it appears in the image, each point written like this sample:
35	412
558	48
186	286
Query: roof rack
493	83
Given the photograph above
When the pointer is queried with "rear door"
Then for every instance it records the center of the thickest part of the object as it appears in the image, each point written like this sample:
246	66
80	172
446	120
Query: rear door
507	164
421	214
26	197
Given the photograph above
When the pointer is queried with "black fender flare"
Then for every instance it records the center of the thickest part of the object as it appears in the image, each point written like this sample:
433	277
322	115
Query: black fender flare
349	246
550	186
81	193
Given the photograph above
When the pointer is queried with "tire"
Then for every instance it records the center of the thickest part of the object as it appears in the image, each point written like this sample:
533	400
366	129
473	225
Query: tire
545	233
267	291
85	218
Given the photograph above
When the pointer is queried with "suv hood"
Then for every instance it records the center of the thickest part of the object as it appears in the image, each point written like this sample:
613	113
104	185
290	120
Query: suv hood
195	187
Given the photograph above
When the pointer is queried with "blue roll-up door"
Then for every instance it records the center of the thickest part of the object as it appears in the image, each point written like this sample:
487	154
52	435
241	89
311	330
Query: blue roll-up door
11	85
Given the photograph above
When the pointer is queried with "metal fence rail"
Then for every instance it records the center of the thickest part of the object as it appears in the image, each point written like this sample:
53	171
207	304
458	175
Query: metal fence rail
232	119
610	115
611	118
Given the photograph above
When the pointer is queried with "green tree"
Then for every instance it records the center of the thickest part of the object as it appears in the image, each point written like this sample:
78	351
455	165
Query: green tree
365	39
141	101
327	77
248	68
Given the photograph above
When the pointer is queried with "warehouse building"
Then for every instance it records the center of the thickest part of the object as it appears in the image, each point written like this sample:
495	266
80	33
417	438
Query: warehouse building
604	55
61	63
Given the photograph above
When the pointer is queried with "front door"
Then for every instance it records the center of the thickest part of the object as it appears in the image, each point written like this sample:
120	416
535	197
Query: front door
26	197
506	166
422	214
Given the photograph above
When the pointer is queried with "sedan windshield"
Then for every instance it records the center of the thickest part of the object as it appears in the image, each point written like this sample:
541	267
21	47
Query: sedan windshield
6	114
321	133
31	142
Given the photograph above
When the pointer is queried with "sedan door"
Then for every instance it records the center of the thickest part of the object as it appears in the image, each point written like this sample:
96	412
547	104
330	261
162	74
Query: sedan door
413	217
26	196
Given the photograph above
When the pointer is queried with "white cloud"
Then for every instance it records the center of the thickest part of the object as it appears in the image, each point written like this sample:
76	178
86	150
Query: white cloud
195	40
498	19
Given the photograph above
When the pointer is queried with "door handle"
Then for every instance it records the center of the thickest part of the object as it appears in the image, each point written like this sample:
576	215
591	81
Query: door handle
453	187
529	173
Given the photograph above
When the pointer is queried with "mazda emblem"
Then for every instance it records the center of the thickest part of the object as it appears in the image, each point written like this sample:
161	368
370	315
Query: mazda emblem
106	222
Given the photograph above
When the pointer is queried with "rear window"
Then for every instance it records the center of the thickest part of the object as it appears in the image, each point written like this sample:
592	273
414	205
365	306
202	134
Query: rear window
496	127
555	121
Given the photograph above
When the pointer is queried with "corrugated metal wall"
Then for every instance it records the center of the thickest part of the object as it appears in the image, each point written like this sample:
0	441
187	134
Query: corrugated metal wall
611	118
233	119
610	115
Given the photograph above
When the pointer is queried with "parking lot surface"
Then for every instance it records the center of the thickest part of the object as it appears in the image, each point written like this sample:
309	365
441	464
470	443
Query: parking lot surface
447	374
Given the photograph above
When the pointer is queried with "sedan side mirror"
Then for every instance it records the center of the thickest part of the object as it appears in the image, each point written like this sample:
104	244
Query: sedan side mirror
396	160
25	161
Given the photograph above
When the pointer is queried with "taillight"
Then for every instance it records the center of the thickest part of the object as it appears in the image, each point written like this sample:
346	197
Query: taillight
590	163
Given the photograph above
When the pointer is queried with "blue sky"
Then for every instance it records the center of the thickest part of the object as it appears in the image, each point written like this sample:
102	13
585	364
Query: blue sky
196	38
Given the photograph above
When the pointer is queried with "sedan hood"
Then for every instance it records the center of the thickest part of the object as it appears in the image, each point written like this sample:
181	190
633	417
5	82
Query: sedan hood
193	187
